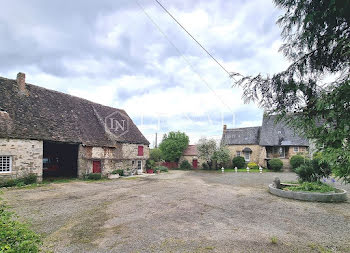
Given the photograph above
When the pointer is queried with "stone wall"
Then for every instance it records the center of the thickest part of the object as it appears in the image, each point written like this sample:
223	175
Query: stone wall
123	156
254	156
27	157
190	158
291	151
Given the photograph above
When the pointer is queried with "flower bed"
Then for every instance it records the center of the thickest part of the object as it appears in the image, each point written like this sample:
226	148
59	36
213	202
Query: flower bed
293	191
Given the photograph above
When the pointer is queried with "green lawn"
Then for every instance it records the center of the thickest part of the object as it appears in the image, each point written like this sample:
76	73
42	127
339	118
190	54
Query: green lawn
245	170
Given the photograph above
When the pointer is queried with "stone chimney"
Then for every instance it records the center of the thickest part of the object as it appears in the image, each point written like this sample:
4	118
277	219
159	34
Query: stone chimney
225	127
21	82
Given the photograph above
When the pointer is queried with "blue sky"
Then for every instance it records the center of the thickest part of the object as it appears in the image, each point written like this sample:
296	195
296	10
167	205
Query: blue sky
109	52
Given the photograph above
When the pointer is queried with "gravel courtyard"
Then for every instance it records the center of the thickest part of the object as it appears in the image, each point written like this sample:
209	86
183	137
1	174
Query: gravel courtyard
181	211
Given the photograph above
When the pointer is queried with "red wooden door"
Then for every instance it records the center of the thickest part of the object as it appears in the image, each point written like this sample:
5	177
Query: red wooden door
96	167
195	163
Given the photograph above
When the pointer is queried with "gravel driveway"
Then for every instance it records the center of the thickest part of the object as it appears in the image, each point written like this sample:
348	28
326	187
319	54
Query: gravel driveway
181	212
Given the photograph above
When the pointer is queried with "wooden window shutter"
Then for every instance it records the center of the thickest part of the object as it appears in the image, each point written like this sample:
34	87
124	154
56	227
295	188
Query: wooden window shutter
140	151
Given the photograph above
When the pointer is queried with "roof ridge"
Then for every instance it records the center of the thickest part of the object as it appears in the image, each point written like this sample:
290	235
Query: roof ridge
242	128
65	94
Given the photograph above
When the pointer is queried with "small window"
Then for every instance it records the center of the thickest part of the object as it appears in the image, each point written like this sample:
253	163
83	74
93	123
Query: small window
5	164
140	151
139	165
296	149
281	152
238	153
247	156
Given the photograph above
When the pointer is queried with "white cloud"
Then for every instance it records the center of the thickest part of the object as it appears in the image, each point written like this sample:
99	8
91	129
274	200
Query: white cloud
112	54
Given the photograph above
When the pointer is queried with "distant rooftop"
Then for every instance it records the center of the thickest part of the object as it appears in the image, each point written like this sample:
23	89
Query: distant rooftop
237	136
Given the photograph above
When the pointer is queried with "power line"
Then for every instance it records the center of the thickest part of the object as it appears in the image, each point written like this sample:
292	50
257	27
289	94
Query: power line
182	55
193	37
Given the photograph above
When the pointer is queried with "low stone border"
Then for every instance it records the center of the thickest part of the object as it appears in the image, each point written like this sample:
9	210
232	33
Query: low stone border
310	196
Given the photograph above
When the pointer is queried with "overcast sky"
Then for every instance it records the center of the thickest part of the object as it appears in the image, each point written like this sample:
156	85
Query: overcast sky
108	51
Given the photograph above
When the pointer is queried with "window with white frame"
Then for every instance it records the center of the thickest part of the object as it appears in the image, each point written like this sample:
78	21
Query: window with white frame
139	165
281	152
296	149
238	153
5	164
247	156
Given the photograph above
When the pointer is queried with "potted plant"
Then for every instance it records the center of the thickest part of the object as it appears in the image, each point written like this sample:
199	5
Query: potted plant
149	170
149	166
114	174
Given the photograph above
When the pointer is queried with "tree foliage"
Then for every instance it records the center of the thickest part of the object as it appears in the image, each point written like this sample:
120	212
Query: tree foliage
317	42
155	154
173	145
206	148
221	156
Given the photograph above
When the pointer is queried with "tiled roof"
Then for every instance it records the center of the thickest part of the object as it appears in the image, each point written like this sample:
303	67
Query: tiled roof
191	150
278	134
44	114
241	136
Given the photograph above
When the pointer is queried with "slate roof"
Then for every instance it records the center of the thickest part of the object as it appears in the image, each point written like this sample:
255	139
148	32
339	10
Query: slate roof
279	134
241	136
191	150
44	114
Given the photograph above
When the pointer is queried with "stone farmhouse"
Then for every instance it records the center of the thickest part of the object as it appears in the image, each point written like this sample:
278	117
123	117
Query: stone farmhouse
191	155
50	133
260	144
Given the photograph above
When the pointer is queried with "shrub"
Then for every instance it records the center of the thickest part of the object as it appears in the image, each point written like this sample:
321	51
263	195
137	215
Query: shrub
253	166
8	182
16	236
275	164
205	166
94	176
296	161
313	170
238	162
312	187
30	179
120	172
114	172
162	169
185	165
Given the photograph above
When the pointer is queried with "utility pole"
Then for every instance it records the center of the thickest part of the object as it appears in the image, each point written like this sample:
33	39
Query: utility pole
156	143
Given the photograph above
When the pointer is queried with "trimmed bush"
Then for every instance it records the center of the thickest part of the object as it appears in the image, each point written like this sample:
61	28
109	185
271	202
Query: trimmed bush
205	166
275	164
16	236
313	170
94	176
185	165
238	162
253	166
296	161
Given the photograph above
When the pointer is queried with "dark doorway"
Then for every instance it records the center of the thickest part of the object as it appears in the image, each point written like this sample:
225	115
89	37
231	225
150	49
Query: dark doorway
195	163
60	159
